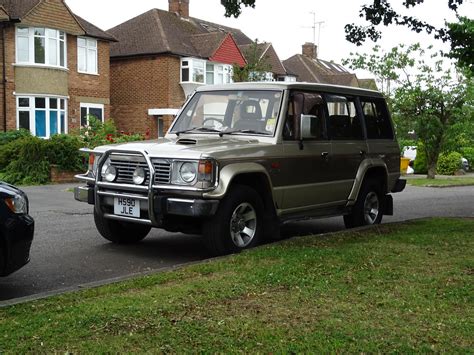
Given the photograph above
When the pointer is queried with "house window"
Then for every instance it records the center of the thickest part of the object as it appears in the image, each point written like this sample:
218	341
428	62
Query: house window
42	116
201	71
94	110
198	71
87	55
40	46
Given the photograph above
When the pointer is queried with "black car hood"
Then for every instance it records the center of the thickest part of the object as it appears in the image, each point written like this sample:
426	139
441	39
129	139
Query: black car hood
9	190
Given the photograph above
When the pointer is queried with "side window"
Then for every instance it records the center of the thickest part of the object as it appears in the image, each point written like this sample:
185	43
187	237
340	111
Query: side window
305	103
344	122
377	120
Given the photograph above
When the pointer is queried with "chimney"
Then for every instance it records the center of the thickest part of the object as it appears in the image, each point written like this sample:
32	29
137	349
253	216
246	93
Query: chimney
181	7
310	50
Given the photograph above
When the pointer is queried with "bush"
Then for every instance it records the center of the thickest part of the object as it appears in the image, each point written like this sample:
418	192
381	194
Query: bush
63	150
98	133
30	166
449	163
10	136
420	165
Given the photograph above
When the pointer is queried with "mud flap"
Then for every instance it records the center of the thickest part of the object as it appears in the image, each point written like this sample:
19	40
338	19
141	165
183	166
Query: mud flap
388	205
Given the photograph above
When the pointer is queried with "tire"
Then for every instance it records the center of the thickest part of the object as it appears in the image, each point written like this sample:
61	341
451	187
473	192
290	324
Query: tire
369	207
120	232
238	223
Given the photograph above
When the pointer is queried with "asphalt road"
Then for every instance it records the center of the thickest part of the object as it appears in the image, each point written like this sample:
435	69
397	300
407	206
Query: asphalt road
68	252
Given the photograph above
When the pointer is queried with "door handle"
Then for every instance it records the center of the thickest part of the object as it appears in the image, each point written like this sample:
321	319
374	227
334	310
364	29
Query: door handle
324	154
362	152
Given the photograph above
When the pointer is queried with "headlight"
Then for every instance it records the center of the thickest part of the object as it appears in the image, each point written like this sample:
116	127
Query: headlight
139	176
109	172
188	172
17	204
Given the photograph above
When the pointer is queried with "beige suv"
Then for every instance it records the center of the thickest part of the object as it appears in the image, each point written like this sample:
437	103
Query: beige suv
240	159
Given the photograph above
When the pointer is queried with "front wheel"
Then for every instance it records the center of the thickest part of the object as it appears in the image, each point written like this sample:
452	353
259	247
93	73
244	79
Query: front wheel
120	232
368	208
238	223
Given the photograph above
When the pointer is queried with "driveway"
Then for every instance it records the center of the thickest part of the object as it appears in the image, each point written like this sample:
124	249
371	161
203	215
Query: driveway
68	251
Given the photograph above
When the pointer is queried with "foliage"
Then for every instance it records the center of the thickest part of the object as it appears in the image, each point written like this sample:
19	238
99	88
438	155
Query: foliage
468	153
98	133
380	12
9	136
28	162
420	166
403	288
233	7
256	67
63	151
427	98
406	142
449	163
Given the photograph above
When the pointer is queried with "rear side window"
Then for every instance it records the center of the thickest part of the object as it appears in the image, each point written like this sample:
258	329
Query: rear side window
377	120
344	122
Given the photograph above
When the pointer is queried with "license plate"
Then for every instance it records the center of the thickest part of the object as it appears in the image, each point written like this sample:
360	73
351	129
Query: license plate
125	206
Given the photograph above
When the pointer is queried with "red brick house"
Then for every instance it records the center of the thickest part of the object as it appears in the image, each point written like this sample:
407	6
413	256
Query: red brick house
160	58
55	68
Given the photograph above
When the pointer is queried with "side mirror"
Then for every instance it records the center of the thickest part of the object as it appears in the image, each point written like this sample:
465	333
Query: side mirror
309	125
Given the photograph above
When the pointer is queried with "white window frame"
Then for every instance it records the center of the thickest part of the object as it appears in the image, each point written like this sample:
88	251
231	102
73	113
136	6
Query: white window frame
31	47
88	106
32	111
220	71
89	50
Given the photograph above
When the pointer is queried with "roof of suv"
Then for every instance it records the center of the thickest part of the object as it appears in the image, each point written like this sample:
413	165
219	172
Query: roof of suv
292	85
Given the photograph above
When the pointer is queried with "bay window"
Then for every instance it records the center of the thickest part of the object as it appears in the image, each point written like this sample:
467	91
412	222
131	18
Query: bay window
41	46
42	116
87	55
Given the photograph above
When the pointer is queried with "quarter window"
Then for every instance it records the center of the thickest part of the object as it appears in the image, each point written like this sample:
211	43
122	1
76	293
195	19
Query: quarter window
344	122
377	120
87	55
40	46
42	116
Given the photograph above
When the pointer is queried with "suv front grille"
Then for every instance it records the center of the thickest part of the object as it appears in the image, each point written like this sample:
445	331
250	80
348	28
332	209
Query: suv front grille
125	169
162	171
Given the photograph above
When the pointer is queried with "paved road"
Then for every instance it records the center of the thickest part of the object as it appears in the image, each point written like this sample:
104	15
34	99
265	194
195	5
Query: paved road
68	251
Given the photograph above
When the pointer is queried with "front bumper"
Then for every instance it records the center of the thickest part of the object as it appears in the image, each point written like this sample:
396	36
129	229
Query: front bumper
160	206
17	233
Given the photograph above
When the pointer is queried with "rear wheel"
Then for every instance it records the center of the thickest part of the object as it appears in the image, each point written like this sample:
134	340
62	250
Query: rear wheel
120	232
238	223
368	208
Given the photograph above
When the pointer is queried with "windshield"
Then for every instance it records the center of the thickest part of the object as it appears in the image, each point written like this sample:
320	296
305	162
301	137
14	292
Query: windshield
230	112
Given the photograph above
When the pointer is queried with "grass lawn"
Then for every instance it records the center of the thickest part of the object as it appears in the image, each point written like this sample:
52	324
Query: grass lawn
392	288
441	182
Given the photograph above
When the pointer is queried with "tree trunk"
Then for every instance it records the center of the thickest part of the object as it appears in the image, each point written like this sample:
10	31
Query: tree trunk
431	171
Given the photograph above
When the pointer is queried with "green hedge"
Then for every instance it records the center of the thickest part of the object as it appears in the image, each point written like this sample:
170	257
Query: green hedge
449	163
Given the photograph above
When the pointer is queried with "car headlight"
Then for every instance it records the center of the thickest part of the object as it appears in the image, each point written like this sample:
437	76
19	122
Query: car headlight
188	172
109	172
17	204
139	176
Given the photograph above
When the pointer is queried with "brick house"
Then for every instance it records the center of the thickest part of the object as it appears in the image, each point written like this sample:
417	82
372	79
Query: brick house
55	67
160	58
309	68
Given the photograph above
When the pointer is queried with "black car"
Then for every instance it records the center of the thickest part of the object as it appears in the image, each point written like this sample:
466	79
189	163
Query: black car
16	229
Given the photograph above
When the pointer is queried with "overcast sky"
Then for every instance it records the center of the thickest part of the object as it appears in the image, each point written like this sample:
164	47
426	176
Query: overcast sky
286	24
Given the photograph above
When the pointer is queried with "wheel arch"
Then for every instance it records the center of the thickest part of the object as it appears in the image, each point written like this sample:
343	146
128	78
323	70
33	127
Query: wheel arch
369	170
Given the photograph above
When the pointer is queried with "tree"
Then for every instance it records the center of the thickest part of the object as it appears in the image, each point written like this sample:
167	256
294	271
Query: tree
256	68
426	99
380	12
233	7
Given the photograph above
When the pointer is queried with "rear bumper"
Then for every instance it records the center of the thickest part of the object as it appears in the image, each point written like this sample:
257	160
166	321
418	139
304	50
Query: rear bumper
17	231
399	185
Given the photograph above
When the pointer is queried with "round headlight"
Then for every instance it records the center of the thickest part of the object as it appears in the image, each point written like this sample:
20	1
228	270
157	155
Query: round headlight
188	172
139	176
110	173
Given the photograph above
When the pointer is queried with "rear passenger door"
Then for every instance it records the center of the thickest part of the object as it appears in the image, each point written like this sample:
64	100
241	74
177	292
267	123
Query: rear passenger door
348	145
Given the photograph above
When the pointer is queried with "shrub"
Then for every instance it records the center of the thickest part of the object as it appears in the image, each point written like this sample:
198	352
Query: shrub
420	166
468	153
30	166
63	150
98	133
10	136
449	163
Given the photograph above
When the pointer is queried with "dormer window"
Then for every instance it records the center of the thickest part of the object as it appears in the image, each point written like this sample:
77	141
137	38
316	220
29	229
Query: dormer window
41	46
87	55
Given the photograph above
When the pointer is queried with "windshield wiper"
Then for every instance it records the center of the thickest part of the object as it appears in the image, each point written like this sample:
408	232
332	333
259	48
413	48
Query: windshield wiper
251	131
201	129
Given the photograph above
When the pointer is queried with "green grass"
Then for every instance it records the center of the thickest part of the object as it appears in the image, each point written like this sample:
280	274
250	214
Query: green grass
392	288
442	182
